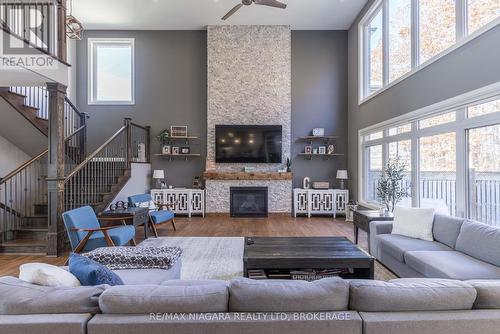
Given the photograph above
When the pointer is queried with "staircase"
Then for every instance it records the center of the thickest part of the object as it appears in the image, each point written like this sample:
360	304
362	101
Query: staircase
92	179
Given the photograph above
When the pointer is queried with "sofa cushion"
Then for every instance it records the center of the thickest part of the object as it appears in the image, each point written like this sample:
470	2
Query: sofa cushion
480	241
19	297
450	264
90	272
418	294
329	294
446	229
398	245
488	294
413	222
44	323
146	299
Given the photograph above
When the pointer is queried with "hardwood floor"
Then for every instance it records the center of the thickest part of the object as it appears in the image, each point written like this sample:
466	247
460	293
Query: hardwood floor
222	225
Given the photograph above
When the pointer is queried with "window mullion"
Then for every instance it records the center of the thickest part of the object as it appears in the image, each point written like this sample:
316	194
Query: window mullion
385	41
415	166
461	165
461	19
415	37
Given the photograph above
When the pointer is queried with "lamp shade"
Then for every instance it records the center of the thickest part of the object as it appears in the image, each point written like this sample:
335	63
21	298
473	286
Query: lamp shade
158	174
342	174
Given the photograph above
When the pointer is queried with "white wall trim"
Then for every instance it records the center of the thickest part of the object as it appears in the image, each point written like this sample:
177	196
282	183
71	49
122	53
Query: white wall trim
90	69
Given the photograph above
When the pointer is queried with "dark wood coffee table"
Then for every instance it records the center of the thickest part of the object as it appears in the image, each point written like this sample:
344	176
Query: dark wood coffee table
271	254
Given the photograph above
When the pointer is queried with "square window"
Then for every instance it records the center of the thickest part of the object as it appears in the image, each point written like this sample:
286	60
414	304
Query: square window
438	120
111	71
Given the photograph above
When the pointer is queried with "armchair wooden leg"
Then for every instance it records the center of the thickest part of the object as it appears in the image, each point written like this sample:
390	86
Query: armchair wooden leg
153	226
173	225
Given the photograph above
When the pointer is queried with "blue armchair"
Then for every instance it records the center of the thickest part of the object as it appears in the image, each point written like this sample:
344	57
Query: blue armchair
157	215
86	234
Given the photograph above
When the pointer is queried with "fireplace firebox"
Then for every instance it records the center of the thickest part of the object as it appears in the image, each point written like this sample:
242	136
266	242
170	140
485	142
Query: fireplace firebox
248	202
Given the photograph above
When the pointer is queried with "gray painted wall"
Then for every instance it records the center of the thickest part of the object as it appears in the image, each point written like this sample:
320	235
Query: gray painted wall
319	99
171	88
472	66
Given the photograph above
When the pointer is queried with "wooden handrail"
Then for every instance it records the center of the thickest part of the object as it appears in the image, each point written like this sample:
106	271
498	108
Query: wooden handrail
139	126
38	156
75	108
96	152
30	44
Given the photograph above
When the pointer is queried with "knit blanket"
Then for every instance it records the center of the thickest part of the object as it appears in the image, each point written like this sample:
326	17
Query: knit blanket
116	258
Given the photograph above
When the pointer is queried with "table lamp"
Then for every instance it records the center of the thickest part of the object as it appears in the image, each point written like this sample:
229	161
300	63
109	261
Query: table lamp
158	175
342	176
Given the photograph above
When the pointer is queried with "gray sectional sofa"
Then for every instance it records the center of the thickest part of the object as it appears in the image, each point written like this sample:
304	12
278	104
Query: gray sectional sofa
462	249
329	306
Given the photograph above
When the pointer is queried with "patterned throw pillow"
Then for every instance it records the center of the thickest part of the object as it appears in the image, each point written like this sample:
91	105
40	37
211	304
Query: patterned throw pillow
91	273
150	205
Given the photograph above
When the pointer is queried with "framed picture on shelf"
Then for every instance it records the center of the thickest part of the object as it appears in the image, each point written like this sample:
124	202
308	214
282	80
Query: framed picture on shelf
166	149
322	150
185	150
318	132
331	149
175	150
178	131
308	149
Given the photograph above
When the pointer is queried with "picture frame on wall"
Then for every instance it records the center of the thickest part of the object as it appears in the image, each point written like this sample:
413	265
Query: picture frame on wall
322	150
166	149
308	149
175	150
179	131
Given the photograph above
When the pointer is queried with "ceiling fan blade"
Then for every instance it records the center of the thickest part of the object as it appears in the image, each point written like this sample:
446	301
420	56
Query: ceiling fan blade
271	3
232	11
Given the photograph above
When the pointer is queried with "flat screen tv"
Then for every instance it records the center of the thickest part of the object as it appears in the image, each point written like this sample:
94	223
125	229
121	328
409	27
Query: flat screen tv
248	143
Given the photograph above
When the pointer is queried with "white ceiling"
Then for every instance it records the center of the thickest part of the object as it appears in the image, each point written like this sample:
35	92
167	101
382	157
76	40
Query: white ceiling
197	14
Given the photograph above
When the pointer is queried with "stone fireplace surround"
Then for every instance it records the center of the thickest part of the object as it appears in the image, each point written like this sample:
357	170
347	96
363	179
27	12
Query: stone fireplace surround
249	82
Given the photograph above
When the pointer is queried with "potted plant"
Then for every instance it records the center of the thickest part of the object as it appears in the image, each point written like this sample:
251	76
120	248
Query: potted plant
391	188
164	137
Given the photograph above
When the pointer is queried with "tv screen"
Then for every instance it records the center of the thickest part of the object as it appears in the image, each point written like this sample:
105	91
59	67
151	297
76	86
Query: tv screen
248	143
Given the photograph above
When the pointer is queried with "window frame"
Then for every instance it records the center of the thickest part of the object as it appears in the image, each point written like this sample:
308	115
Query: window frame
92	94
460	126
462	37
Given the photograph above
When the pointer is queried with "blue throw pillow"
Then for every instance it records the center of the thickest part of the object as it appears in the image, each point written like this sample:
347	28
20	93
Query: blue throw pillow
92	273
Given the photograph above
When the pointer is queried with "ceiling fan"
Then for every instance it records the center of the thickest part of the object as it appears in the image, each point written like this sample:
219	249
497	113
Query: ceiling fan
270	3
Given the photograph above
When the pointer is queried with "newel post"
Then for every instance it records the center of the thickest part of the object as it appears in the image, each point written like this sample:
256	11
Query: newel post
128	124
55	167
148	143
61	30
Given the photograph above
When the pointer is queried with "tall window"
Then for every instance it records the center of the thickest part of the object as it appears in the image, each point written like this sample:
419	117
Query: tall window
111	71
437	27
374	164
452	158
481	12
401	151
400	35
399	38
484	174
438	172
375	50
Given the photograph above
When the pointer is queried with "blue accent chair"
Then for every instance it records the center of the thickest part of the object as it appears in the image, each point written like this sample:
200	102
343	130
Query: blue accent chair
157	216
86	234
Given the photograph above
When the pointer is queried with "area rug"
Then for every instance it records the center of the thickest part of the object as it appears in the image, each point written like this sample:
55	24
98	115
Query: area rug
205	257
219	257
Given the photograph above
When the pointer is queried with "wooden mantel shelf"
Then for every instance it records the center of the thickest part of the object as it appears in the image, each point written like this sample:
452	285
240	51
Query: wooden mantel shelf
247	176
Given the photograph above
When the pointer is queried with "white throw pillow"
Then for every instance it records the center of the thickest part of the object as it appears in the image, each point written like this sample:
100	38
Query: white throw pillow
414	222
150	205
47	275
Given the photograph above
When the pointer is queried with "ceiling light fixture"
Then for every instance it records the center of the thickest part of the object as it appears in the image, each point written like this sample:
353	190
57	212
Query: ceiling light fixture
74	28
